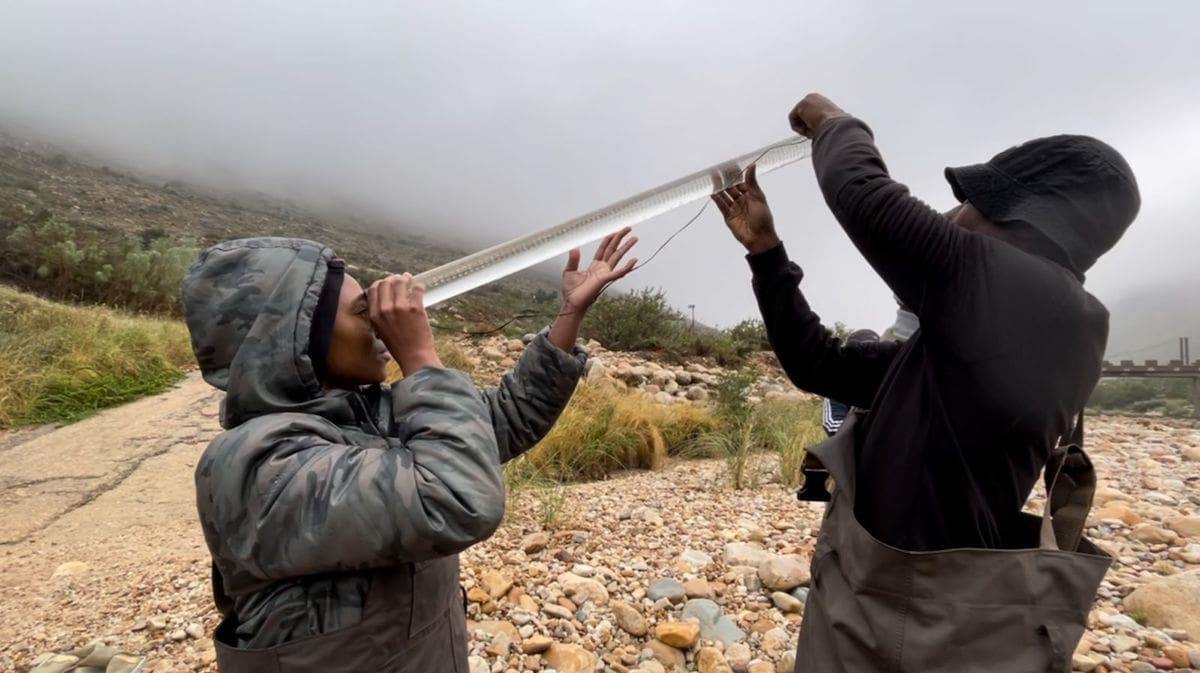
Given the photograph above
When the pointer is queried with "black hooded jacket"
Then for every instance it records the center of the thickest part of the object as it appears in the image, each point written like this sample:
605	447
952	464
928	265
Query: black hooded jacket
965	413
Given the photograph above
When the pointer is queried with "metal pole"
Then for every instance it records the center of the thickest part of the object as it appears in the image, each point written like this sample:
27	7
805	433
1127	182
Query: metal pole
1196	397
693	308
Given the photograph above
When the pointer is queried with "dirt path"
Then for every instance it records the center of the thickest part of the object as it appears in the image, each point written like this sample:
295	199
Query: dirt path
113	492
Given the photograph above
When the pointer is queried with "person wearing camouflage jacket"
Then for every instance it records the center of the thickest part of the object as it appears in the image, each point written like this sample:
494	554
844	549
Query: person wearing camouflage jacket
334	505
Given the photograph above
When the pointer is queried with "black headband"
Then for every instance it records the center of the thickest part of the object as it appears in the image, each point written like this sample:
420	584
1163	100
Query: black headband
324	316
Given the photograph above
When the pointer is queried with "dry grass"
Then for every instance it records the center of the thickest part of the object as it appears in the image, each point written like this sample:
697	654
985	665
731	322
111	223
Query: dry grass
454	355
788	427
60	363
605	429
783	426
736	443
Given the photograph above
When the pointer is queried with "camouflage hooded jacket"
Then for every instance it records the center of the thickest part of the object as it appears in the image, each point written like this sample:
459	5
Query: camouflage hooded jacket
312	502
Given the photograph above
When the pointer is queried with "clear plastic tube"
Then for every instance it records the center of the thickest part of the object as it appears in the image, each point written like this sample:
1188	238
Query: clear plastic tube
483	267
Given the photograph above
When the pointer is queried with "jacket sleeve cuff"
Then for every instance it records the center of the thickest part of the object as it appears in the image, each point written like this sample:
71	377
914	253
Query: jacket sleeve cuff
832	126
571	364
768	262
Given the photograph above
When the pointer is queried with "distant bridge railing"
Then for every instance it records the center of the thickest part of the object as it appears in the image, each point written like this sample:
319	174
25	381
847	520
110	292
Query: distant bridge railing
1152	369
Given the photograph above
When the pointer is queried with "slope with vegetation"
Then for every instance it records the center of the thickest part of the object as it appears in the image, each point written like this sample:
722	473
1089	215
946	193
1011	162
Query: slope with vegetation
86	233
89	235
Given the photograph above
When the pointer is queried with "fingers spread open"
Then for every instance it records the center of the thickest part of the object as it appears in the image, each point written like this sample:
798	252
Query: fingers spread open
726	197
721	205
615	258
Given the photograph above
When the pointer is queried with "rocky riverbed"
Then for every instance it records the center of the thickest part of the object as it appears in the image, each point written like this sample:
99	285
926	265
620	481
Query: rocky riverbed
646	571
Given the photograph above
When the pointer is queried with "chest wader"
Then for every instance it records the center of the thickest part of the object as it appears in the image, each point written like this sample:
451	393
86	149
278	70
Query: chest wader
413	622
873	607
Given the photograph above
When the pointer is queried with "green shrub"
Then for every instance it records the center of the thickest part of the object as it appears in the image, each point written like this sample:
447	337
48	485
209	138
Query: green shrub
1144	406
634	321
750	336
1177	408
643	320
1122	393
53	259
732	407
716	345
1141	395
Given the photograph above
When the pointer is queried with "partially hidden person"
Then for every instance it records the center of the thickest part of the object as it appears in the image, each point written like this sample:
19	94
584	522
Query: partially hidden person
834	412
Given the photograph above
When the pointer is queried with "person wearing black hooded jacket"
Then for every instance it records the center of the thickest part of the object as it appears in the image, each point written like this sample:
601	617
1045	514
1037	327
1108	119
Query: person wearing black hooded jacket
965	413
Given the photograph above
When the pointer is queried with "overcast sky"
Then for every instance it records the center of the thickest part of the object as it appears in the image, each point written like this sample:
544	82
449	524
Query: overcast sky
484	120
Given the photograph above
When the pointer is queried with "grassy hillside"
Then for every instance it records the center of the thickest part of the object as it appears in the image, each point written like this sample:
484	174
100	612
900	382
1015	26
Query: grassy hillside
110	210
61	362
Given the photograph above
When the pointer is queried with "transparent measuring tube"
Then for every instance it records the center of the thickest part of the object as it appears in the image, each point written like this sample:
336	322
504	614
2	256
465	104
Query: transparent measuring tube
483	267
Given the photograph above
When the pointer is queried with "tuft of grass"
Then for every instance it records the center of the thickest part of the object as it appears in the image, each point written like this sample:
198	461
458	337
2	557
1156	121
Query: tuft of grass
736	437
454	355
520	476
551	500
605	429
61	363
784	426
788	427
736	444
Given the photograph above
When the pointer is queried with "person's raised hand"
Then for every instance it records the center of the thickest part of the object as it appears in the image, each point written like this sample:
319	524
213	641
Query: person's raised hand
581	288
744	207
811	112
399	320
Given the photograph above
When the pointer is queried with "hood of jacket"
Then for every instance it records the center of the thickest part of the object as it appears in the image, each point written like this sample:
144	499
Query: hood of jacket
249	307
